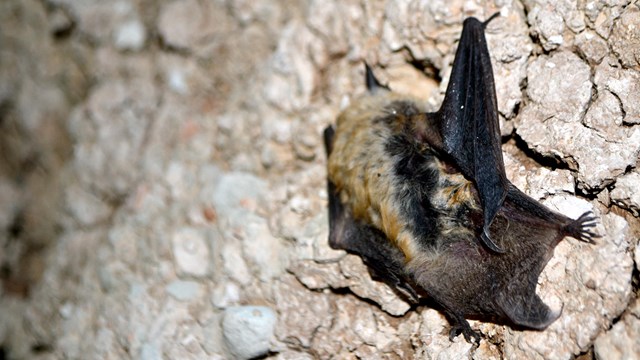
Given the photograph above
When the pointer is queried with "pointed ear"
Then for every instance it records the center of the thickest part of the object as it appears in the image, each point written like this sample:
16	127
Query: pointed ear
469	130
373	85
329	135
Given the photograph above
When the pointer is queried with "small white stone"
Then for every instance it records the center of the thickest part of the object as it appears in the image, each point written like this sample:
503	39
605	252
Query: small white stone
66	310
344	102
248	329
191	252
299	204
130	36
225	295
177	81
556	39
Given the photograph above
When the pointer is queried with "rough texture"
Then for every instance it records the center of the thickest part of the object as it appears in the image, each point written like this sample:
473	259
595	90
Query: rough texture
247	330
621	341
163	174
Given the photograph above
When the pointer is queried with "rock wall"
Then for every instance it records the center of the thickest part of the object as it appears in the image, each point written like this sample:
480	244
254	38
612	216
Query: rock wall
162	182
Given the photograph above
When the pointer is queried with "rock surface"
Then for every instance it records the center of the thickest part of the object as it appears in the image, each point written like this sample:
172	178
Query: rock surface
162	183
621	341
247	330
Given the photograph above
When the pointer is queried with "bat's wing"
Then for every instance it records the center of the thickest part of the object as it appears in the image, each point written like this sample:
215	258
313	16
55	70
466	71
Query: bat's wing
384	260
523	307
515	274
467	122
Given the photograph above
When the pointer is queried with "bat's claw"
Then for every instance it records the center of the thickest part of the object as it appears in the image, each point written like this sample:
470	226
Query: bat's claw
488	242
581	228
466	331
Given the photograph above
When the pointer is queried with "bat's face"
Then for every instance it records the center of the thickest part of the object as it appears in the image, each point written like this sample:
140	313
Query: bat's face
423	198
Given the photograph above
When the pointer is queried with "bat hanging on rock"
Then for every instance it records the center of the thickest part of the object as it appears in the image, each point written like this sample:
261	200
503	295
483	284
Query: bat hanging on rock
424	200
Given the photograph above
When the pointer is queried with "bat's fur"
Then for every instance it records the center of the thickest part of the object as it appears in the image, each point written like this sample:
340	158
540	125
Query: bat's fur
398	200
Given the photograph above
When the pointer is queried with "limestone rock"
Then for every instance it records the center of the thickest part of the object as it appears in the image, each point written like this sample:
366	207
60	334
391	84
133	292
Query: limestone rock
248	329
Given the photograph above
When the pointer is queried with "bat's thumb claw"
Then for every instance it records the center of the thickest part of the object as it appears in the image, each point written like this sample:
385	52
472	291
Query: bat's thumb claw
488	242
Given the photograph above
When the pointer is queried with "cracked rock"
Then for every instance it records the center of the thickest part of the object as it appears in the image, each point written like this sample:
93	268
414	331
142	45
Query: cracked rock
592	46
625	193
301	312
625	85
551	123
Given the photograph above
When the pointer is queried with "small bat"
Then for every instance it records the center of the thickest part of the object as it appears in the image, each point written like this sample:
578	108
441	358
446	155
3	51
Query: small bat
424	200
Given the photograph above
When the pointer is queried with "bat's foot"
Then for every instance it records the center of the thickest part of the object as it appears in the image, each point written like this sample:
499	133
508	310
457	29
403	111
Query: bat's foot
408	292
461	326
581	228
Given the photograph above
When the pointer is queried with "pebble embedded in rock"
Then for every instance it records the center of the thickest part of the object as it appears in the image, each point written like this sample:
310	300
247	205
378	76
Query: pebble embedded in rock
191	252
130	36
248	329
625	192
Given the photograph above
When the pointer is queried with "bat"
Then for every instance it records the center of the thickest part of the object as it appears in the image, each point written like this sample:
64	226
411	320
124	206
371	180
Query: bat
423	198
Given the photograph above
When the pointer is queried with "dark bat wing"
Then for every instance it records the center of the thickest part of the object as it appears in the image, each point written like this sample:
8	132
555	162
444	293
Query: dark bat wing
537	230
467	122
384	260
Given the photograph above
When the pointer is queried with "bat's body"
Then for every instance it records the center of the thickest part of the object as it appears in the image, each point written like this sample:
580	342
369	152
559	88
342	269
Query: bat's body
423	198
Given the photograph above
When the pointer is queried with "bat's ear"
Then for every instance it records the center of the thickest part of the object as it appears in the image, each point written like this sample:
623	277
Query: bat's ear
468	123
486	22
329	134
373	84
